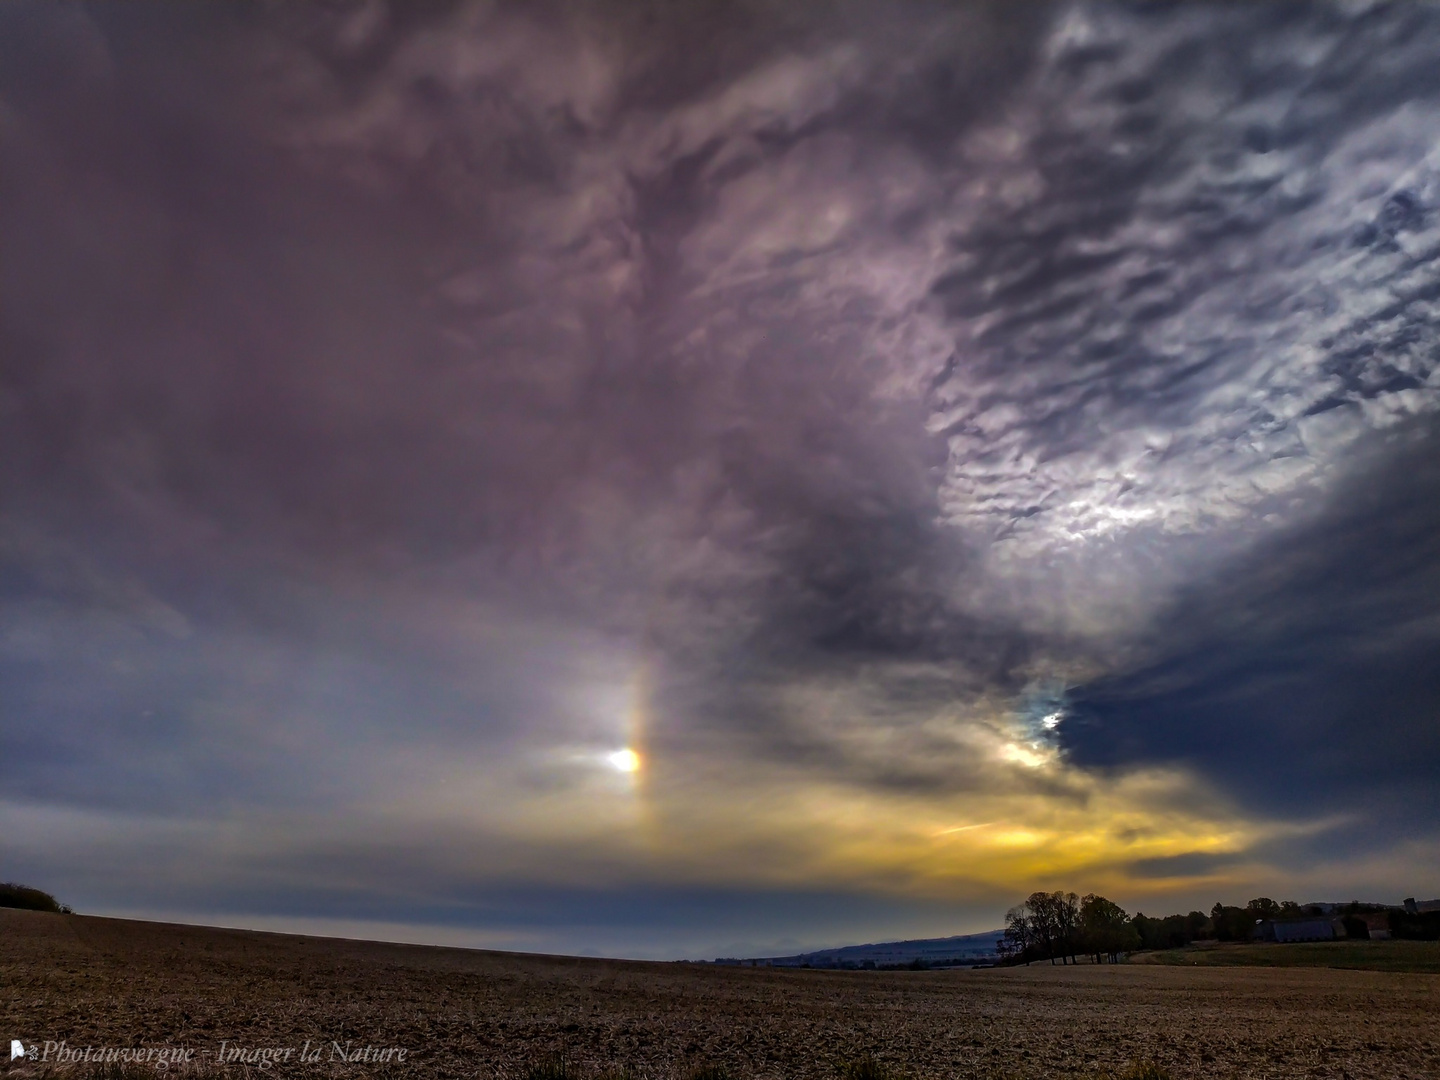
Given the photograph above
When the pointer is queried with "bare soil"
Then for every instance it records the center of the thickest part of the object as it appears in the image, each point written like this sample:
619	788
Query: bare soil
108	982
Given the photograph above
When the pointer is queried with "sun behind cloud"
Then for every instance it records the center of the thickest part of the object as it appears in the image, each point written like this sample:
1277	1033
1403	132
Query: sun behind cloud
625	760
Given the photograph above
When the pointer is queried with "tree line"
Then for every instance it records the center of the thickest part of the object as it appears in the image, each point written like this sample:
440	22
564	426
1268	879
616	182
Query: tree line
13	895
1061	926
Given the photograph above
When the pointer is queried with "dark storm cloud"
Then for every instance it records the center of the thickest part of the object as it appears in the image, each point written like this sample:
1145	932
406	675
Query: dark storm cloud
1306	675
1195	865
395	397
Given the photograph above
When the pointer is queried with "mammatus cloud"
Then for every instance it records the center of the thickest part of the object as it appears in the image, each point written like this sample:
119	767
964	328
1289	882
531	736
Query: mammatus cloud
953	451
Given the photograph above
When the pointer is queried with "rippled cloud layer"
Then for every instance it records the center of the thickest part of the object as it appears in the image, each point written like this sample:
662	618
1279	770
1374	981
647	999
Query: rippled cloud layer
532	474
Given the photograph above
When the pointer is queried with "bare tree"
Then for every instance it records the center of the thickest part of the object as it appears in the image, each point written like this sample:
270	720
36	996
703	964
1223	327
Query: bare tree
1055	919
1018	942
1067	924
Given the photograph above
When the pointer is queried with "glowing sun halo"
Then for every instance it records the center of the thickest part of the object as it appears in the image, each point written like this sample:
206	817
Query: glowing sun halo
625	760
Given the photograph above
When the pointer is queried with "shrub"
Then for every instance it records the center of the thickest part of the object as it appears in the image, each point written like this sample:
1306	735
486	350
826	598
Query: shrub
1423	926
1356	927
22	896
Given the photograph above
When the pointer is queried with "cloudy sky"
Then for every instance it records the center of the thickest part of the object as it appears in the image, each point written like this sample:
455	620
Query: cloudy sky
672	479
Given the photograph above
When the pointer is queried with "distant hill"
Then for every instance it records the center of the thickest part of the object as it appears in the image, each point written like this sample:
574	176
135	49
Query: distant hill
955	951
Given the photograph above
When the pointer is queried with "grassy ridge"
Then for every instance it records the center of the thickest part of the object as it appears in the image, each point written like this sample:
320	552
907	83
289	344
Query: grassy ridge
1423	956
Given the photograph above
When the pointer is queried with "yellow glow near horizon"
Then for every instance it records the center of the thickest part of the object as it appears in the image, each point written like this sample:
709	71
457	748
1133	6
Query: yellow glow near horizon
989	813
626	760
1067	829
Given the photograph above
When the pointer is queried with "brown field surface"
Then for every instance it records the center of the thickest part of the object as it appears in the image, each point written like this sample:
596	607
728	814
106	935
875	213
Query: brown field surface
93	981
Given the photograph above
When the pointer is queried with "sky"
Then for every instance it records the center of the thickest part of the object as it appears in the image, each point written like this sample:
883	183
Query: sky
690	479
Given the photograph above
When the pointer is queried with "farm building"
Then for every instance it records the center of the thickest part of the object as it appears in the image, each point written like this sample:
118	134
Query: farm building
1297	930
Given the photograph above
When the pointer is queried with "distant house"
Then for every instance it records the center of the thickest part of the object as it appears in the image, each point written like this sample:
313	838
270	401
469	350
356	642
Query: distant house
1286	930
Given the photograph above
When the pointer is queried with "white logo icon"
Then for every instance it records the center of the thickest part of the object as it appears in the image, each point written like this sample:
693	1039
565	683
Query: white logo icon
17	1049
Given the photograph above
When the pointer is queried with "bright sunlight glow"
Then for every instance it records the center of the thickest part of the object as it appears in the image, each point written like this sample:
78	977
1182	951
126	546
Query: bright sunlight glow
625	760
